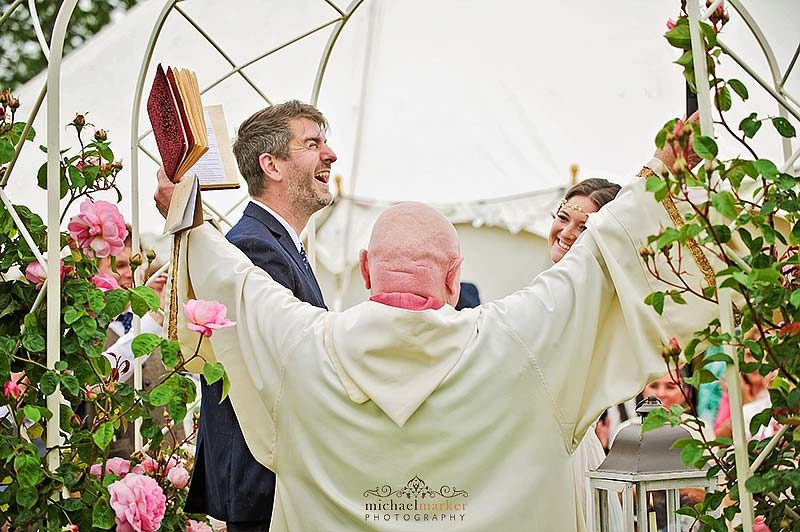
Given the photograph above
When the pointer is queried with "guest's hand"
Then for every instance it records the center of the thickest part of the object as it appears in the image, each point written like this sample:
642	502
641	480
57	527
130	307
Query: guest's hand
668	154
163	194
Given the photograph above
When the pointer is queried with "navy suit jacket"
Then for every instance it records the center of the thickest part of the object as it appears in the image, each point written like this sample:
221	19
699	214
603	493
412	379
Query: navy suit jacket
228	483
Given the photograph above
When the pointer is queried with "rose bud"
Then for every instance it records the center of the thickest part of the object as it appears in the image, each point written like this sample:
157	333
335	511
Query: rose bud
10	389
13	103
4	96
671	24
116	165
75	421
100	135
111	387
79	121
91	395
151	255
646	252
135	261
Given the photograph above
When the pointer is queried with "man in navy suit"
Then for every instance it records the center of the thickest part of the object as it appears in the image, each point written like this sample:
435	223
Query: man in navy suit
283	156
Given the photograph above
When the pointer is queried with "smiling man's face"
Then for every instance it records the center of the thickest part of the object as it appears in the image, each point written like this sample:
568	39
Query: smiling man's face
307	169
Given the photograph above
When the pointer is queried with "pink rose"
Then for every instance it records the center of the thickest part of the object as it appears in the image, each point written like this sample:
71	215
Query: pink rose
172	462
138	503
105	282
678	128
11	389
759	525
116	465
99	229
206	316
37	274
197	526
178	477
671	24
150	466
70	528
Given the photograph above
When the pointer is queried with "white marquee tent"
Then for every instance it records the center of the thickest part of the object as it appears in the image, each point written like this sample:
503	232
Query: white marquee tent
455	102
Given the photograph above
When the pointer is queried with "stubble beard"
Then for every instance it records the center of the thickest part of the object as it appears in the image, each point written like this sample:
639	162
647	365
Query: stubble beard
305	197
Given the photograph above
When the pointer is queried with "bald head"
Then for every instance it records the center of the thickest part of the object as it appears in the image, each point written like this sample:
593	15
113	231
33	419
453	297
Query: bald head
413	249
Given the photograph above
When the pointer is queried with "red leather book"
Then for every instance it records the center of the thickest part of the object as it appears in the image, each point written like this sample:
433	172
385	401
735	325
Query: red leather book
168	128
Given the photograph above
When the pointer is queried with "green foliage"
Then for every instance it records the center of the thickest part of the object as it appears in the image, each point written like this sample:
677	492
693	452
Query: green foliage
22	59
33	497
748	206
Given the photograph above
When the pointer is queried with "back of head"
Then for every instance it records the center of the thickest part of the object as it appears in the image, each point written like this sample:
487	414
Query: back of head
600	191
267	131
413	249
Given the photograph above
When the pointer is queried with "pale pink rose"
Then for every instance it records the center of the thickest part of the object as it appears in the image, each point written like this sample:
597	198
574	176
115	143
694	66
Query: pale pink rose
197	526
150	466
105	282
116	465
70	528
11	389
671	24
178	477
206	316
759	525
138	503
172	462
37	274
99	229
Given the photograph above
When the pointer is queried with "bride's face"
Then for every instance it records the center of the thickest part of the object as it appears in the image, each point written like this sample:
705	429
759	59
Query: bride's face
568	224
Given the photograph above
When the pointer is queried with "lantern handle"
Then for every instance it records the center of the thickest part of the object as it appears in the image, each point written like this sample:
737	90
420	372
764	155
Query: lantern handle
648	405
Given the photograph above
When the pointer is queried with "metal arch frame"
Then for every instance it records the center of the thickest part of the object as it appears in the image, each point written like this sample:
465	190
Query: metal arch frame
136	138
743	467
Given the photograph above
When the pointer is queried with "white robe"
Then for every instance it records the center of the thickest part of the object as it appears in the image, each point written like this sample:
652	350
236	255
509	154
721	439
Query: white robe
468	417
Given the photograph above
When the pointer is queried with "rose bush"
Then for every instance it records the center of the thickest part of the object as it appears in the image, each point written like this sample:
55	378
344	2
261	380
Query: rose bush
90	489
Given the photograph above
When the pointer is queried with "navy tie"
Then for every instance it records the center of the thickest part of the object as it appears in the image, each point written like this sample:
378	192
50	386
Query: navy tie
126	319
305	258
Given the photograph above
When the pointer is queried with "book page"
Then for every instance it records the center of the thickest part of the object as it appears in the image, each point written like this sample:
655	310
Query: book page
183	206
217	168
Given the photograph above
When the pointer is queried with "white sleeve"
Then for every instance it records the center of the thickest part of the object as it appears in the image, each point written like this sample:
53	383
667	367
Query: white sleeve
121	350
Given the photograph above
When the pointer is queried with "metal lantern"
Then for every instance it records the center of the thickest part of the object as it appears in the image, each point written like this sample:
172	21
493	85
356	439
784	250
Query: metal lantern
638	486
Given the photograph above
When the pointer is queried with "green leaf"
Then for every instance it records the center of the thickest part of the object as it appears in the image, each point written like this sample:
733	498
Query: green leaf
725	203
679	36
103	435
723	101
705	147
75	177
655	418
144	344
85	326
161	394
49	382
116	301
658	187
750	125
226	387
71	315
35	343
96	300
213	372
766	168
656	300
16	132
709	33
794	299
32	413
686	59
170	353
177	409
27	497
6	151
757	484
71	384
105	152
143	299
102	515
28	470
739	88
691	452
784	127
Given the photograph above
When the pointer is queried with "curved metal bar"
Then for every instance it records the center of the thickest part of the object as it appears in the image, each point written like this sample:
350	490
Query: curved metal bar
265	54
28	126
37	28
766	86
219	49
135	239
789	68
724	294
334	6
53	221
7	13
708	12
22	229
771	62
326	53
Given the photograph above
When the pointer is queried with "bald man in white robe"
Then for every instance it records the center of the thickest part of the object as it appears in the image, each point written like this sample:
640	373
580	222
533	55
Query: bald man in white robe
402	413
